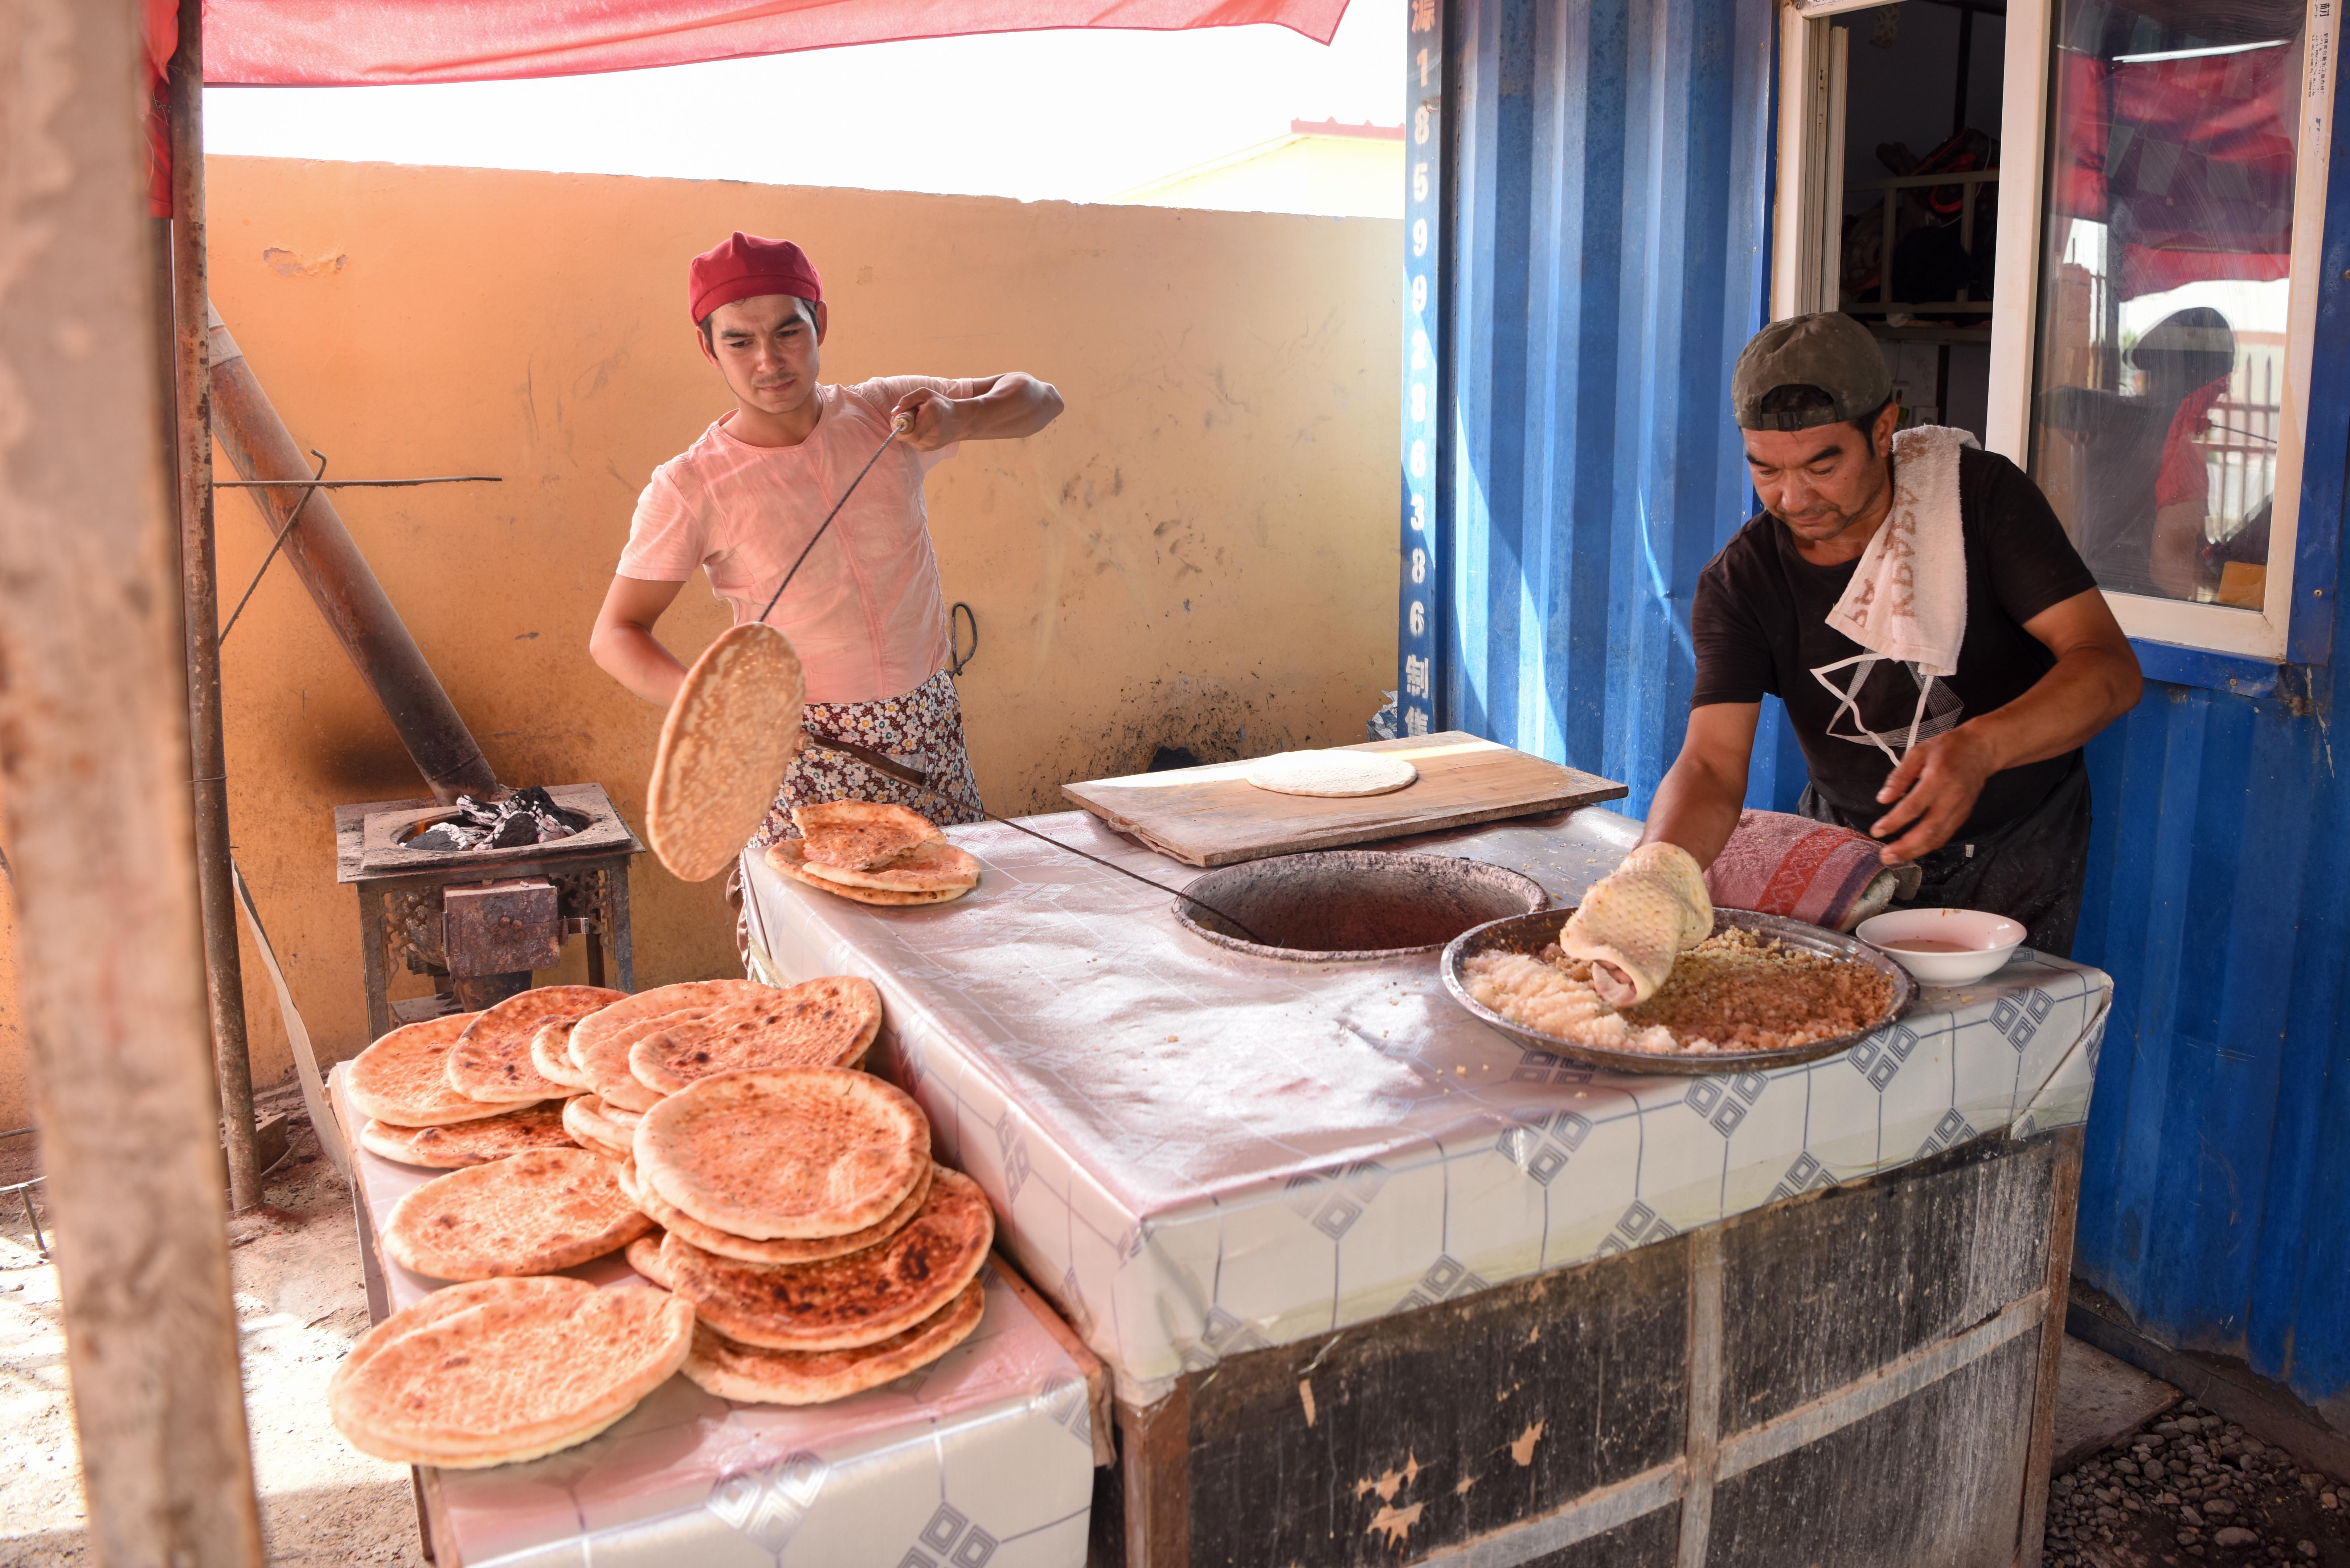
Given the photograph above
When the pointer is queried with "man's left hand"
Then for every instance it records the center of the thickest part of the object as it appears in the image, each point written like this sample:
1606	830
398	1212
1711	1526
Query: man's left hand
934	416
1931	794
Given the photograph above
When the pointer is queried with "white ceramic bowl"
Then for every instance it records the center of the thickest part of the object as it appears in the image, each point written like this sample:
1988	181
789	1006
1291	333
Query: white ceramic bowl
1983	942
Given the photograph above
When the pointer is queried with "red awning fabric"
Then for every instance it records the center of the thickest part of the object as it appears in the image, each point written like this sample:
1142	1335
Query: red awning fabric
2191	159
361	42
379	43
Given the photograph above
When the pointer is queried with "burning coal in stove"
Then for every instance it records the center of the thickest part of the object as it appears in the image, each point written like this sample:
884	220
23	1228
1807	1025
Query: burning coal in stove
525	817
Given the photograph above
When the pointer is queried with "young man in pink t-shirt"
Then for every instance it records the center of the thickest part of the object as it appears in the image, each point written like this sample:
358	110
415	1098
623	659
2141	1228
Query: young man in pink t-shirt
865	610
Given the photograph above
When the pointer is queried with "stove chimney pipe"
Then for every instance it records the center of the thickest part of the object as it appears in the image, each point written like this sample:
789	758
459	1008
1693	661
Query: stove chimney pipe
341	584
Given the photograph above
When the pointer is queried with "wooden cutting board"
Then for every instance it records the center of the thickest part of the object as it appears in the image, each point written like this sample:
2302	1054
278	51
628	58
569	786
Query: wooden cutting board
1213	816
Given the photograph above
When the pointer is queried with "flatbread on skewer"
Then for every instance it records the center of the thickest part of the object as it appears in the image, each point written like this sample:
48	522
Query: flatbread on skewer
730	734
826	1023
490	1374
798	1153
492	1059
843	1303
788	856
403	1078
743	1249
455	1145
531	1213
750	1375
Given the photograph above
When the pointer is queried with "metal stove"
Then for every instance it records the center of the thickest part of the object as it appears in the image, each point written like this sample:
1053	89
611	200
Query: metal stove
478	921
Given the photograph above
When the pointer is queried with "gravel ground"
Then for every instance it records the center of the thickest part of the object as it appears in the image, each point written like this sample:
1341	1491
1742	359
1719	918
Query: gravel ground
2192	1488
300	1303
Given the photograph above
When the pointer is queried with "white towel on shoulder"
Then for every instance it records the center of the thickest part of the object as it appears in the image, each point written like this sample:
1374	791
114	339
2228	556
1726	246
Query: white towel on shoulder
1908	596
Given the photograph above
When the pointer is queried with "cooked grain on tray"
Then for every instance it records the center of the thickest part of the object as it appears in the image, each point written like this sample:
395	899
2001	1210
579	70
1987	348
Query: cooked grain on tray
1735	992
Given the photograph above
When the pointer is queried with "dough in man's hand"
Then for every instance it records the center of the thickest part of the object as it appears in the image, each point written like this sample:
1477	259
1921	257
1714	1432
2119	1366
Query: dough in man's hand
1638	920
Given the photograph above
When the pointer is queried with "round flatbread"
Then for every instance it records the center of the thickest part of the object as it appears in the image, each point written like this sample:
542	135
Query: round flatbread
795	1152
710	1239
490	1374
937	866
403	1078
460	1144
550	1057
600	1042
530	1213
1332	773
730	733
826	1023
862	834
749	1375
843	1303
492	1060
592	1127
787	856
644	1256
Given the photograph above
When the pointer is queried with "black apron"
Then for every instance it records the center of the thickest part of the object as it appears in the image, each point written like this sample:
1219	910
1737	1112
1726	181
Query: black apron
2032	870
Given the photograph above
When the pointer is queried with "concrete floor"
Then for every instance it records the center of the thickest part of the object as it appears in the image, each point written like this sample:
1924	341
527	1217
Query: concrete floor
300	1305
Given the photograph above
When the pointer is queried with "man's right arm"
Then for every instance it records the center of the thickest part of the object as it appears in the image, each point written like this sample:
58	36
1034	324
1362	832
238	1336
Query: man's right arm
623	642
1698	804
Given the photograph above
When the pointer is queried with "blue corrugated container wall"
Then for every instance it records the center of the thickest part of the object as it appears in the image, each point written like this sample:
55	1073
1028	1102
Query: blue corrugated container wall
1608	187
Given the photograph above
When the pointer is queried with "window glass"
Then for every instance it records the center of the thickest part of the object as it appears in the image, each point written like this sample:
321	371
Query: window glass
2172	136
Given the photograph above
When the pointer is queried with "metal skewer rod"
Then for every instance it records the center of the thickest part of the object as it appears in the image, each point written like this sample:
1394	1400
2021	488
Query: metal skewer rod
356	484
898	427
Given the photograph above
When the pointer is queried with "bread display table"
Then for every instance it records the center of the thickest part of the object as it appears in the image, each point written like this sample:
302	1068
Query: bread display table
1352	1256
984	1457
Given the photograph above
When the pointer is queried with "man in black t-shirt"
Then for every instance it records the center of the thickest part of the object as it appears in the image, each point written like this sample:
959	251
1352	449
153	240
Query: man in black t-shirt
1991	800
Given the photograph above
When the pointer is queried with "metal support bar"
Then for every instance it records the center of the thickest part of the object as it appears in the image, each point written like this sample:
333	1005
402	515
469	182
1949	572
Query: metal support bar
200	597
340	582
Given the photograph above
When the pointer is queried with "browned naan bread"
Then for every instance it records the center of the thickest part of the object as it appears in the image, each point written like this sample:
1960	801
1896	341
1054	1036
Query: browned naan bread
824	1023
403	1078
750	1375
591	1126
644	1256
937	866
792	1152
600	1042
455	1145
843	1303
862	834
492	1059
743	1249
730	733
530	1213
788	857
550	1057
492	1373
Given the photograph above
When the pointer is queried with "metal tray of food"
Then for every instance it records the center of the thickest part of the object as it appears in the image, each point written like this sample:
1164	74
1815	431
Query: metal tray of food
1529	934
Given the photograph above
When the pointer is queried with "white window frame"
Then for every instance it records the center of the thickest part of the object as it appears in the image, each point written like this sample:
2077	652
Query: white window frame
1811	124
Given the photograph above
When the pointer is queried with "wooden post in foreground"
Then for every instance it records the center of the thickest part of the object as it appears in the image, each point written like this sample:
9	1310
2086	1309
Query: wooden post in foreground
94	745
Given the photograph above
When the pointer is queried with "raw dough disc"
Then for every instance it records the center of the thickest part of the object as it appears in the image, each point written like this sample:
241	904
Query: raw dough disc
1332	773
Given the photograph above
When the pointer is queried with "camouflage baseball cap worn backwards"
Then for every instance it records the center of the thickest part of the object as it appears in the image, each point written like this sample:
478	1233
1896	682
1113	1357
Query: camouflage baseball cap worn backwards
1829	350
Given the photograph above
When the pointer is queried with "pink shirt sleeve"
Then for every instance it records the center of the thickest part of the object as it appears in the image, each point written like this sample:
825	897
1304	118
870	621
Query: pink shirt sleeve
667	540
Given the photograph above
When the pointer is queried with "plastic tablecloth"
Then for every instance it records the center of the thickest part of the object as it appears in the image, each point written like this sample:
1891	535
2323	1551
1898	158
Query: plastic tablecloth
1197	1152
983	1456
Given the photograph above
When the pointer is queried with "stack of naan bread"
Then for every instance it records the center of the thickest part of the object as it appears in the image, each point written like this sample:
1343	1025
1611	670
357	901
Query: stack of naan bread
874	854
787	1200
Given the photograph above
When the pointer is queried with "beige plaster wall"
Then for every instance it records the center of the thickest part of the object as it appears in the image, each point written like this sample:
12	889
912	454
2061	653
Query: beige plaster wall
1200	552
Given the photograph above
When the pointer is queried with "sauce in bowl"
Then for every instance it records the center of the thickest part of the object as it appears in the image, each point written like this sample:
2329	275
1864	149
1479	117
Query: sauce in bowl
1925	945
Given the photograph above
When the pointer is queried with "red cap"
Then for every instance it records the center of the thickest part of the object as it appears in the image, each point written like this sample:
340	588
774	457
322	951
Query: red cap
744	266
